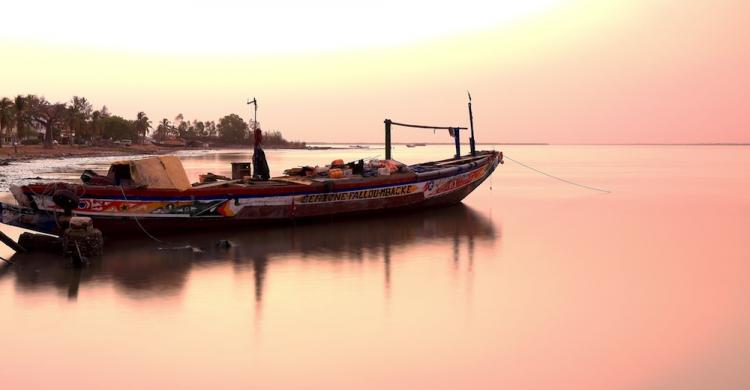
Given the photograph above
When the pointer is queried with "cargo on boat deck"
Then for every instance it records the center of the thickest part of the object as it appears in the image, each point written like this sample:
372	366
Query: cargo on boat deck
152	172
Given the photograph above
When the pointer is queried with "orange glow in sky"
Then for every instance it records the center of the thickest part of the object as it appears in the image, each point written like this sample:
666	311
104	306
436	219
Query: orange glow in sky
560	71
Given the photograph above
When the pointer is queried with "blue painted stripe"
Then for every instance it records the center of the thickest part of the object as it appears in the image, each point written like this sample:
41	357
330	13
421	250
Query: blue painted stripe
248	196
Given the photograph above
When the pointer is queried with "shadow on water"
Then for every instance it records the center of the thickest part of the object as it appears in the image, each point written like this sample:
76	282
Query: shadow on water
139	269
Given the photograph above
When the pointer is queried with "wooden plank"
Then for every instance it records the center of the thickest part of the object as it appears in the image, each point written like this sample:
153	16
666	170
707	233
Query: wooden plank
296	180
12	244
217	184
459	162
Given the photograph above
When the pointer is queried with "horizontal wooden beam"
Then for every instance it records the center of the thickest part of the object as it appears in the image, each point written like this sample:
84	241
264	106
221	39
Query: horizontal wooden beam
429	127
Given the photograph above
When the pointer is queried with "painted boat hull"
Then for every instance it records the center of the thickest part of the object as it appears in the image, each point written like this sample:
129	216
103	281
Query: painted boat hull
121	211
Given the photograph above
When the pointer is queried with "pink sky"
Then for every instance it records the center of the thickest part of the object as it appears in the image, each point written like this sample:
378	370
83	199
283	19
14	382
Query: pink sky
573	71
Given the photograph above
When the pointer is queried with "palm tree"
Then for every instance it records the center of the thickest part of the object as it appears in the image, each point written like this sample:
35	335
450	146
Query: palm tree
179	125
200	128
142	125
6	117
163	130
19	105
78	113
211	128
96	120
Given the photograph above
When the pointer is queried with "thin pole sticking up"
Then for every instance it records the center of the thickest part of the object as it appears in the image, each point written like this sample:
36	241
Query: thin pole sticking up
254	102
388	124
457	139
472	144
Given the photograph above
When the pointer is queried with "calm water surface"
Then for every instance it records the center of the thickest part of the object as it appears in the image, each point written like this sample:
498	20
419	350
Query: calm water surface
529	284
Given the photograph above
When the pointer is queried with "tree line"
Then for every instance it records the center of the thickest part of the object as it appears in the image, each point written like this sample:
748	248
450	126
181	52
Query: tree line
76	121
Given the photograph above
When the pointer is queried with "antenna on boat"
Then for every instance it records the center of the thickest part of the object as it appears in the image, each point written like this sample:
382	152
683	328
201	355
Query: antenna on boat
254	102
472	145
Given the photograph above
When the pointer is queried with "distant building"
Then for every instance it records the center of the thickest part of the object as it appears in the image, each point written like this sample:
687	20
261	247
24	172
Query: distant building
33	131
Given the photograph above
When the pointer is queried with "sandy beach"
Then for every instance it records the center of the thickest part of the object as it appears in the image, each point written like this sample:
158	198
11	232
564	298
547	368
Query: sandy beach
31	152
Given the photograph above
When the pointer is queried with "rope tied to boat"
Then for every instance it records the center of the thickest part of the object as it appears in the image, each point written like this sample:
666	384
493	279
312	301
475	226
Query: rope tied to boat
175	245
557	177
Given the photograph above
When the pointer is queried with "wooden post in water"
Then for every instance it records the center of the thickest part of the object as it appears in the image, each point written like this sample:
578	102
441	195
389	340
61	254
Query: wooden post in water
388	139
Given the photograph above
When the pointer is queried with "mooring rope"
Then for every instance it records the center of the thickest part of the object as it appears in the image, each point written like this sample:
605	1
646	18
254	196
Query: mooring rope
556	177
143	229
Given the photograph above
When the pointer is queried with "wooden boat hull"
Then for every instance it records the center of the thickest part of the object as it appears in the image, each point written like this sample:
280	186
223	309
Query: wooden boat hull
121	210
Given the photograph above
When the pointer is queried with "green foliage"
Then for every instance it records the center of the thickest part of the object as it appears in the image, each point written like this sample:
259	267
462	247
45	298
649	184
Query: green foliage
232	129
6	116
142	125
79	113
77	121
274	138
52	116
164	130
117	128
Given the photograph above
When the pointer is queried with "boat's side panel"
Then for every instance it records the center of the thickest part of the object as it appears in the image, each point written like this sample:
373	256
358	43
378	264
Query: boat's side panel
359	201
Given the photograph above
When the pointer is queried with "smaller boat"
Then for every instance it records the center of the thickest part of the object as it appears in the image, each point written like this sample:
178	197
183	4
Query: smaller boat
196	144
414	145
170	143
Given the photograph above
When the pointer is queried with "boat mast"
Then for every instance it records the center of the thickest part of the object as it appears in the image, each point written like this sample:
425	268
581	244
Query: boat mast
472	145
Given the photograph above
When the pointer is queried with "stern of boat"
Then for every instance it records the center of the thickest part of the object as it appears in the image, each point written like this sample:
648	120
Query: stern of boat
28	218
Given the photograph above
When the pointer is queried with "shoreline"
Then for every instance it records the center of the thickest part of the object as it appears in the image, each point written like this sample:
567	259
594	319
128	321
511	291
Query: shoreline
38	152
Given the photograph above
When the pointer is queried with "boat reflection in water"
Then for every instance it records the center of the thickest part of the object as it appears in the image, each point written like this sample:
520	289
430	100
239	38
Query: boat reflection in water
142	268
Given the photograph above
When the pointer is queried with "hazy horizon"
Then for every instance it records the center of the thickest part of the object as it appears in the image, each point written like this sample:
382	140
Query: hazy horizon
545	143
545	71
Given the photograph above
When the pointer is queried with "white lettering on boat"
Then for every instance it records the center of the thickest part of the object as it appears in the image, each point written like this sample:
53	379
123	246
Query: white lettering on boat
442	186
360	195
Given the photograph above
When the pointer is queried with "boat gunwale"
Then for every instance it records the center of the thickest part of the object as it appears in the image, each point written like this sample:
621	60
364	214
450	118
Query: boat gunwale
246	192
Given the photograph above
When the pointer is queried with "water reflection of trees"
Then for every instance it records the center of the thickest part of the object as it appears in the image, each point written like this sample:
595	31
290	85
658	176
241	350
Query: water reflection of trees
138	269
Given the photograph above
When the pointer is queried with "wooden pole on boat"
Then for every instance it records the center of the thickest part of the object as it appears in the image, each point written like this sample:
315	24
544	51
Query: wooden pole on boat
457	138
472	145
254	102
388	139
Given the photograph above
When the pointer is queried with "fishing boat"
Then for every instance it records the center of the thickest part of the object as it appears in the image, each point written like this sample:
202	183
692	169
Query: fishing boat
154	194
